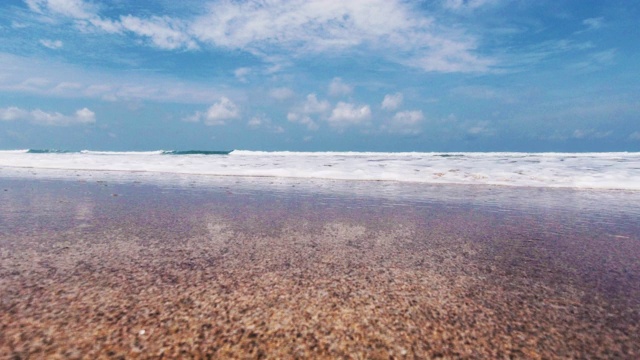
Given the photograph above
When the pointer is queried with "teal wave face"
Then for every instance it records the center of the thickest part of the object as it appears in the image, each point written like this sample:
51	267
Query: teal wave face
450	155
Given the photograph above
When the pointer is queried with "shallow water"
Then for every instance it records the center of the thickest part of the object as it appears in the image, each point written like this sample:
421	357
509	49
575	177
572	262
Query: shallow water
376	269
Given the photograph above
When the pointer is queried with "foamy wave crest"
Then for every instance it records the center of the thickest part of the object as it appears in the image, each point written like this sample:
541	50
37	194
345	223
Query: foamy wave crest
197	152
136	153
14	151
159	152
321	153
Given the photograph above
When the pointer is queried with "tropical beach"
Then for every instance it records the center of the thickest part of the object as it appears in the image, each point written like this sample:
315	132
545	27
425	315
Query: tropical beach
244	267
319	179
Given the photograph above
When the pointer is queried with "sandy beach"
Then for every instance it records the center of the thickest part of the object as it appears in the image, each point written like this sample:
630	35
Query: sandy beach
100	270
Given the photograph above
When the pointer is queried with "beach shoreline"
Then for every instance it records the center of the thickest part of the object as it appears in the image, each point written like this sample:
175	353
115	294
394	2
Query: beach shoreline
101	269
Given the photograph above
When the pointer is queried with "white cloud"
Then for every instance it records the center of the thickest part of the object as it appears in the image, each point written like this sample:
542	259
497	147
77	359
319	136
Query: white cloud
85	116
450	57
18	25
392	101
37	116
193	118
339	88
303	119
241	73
309	25
51	44
221	111
466	4
282	93
593	23
255	122
13	113
164	32
217	114
77	9
590	134
345	114
405	122
596	61
263	122
477	129
36	82
67	86
50	78
408	118
484	93
606	57
95	90
106	25
541	51
313	105
82	116
393	29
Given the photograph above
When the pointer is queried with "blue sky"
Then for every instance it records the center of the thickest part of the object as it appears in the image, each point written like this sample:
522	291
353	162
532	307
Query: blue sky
366	75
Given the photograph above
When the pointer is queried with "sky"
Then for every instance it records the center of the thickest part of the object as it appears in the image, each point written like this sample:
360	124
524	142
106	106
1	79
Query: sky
320	75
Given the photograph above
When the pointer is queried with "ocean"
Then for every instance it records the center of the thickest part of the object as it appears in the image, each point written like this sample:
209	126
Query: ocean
615	171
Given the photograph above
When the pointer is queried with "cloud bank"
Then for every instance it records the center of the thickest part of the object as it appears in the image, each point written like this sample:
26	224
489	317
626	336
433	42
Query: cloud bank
37	116
391	29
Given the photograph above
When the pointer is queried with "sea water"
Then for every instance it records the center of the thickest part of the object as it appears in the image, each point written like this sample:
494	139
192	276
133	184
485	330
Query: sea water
620	170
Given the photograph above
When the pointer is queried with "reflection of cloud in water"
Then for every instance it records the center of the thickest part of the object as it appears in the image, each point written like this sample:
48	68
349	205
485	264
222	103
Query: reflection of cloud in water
84	209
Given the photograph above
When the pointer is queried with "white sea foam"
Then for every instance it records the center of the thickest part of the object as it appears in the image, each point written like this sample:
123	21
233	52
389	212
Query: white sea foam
572	170
156	152
23	151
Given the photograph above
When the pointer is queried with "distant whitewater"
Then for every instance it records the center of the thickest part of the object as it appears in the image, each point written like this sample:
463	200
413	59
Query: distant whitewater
571	170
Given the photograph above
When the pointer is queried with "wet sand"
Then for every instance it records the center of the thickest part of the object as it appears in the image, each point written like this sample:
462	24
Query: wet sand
102	270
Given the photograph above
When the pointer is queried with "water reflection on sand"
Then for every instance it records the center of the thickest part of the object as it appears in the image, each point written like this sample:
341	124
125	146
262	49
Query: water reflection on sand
234	267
